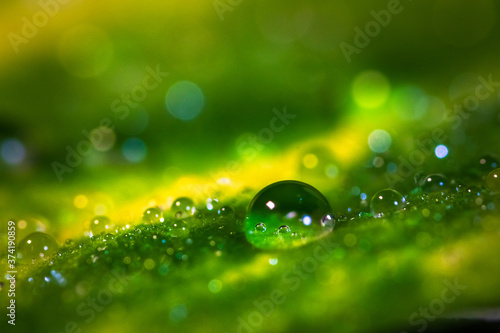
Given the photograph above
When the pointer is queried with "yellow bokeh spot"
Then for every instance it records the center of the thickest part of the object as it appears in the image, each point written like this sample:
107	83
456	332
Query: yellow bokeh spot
80	201
426	212
310	161
370	89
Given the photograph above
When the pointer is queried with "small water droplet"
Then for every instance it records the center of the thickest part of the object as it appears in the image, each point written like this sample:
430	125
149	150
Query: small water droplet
284	229
386	202
108	237
328	222
225	211
434	183
260	227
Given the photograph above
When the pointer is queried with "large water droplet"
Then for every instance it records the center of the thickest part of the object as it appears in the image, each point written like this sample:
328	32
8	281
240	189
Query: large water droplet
493	180
183	208
386	202
282	209
179	229
100	224
434	183
36	247
152	215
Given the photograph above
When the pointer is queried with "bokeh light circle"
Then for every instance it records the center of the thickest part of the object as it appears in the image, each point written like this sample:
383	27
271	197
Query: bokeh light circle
370	89
441	151
379	141
185	100
134	150
102	138
13	151
332	171
310	161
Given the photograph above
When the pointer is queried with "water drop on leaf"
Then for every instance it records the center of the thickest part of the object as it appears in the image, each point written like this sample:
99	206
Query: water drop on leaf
183	208
493	180
225	211
152	215
100	225
282	208
260	227
179	228
108	237
434	183
36	247
386	202
284	229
